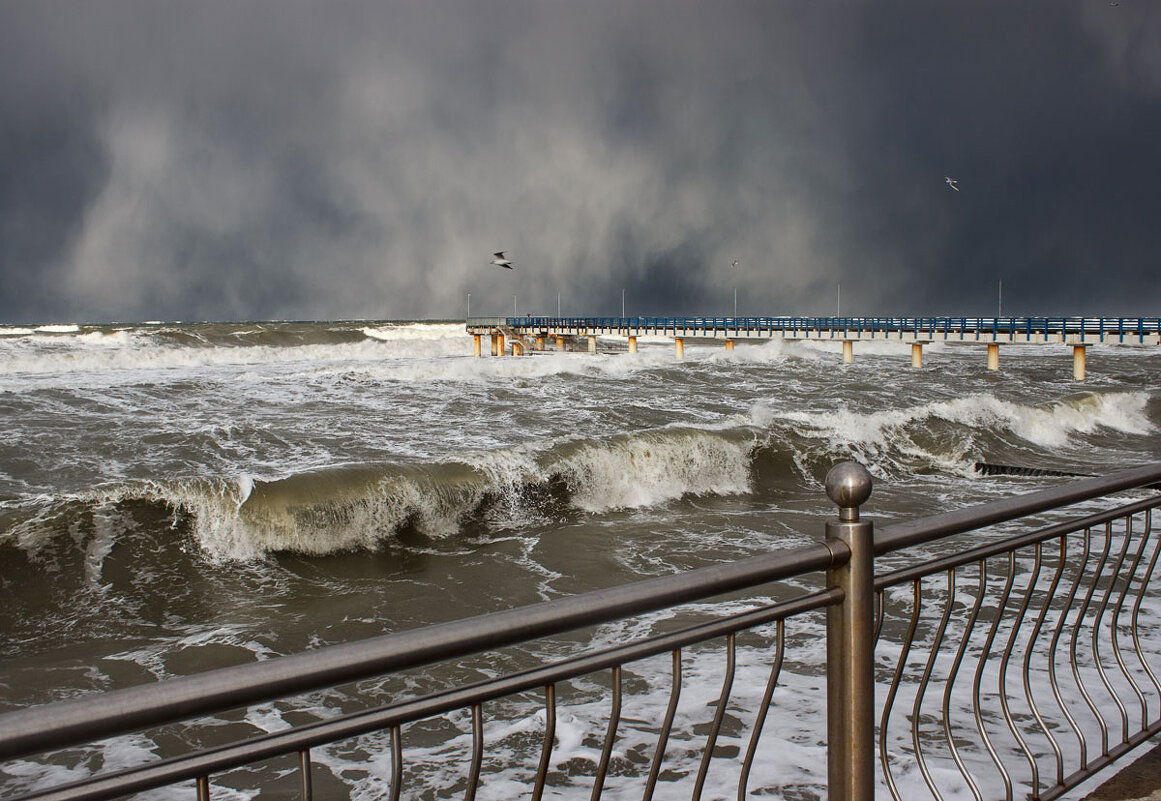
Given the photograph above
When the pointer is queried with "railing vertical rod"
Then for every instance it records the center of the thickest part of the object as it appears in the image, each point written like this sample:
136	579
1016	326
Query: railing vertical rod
719	716
549	736
666	726
610	736
763	709
304	769
477	752
850	703
203	788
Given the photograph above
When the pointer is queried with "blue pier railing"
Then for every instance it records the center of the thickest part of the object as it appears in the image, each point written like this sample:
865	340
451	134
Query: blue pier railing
1123	330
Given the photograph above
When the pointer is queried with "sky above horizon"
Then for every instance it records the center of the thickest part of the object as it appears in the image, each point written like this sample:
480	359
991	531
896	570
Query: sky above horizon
280	159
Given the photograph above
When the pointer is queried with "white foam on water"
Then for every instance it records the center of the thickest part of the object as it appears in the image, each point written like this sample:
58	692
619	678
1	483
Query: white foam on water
649	469
418	332
1052	425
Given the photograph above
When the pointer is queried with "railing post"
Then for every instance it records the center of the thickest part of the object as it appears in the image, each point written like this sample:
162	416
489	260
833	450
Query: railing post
850	647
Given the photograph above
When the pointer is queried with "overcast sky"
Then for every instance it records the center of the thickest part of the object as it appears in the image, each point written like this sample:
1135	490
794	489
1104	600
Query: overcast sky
272	159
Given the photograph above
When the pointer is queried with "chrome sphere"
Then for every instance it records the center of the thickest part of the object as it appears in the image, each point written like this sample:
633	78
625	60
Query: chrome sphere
848	484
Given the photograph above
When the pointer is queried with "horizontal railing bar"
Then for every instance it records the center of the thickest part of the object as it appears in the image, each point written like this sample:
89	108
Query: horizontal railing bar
935	566
215	760
1099	763
926	529
104	715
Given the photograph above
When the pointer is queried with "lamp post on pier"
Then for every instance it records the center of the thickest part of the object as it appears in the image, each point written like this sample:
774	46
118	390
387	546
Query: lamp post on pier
732	267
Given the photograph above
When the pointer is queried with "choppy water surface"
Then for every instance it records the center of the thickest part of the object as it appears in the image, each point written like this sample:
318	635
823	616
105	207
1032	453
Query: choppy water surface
177	497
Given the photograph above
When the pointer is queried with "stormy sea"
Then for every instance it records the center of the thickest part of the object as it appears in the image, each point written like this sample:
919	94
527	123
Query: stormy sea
180	497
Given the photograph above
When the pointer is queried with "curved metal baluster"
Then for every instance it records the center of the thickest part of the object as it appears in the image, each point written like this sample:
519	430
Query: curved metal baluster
1072	649
666	727
969	627
888	705
1013	641
1096	628
549	736
925	679
396	763
203	784
304	771
610	736
760	721
978	679
1141	597
477	752
1037	627
1056	635
1116	622
716	727
878	616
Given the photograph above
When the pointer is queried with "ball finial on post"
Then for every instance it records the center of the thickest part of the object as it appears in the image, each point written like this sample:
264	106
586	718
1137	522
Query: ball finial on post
849	485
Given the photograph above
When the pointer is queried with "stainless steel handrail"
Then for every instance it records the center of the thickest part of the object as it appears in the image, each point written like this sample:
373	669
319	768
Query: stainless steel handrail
75	721
1109	593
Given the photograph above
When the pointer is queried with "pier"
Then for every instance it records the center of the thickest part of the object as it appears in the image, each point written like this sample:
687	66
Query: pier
535	333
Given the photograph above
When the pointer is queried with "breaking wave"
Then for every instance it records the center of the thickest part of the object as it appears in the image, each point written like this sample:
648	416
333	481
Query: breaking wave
365	506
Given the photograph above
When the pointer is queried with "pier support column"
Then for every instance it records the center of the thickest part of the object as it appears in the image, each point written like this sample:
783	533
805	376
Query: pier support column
729	346
1078	362
560	343
993	356
517	348
477	346
916	354
540	341
500	342
632	344
592	343
848	351
494	351
679	347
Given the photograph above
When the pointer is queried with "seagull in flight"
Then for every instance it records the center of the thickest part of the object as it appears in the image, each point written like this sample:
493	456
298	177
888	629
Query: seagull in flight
501	260
952	183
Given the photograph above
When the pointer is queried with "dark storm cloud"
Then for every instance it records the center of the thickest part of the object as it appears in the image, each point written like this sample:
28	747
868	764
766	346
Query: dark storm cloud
362	159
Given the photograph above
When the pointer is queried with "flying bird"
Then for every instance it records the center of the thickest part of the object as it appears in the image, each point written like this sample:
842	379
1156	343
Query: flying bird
500	259
952	183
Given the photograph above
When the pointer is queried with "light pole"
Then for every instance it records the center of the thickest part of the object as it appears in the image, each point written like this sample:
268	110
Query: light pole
469	305
838	302
735	264
1000	300
622	304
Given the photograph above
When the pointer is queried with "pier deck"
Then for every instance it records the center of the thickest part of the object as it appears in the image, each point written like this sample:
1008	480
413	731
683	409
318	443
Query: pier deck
1002	330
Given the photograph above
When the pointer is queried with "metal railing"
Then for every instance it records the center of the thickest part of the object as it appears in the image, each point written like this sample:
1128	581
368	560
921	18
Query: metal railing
1031	656
1127	330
